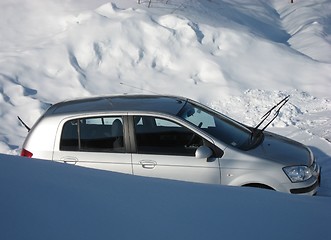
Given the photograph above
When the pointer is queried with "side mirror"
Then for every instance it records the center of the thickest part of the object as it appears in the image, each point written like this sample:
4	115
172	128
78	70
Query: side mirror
203	152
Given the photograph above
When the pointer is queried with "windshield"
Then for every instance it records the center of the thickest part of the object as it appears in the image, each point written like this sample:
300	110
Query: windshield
218	125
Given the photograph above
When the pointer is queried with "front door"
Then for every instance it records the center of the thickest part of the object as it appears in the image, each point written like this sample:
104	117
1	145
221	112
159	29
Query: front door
166	149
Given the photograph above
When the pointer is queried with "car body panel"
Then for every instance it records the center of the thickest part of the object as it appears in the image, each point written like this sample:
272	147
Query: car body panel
184	168
117	162
284	150
41	138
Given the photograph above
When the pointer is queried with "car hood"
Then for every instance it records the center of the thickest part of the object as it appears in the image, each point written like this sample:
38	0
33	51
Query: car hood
284	150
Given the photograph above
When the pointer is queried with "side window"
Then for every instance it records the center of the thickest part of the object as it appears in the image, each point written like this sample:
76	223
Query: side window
69	137
97	134
162	136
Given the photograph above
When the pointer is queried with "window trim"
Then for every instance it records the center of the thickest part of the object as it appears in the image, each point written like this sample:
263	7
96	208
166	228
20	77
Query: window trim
207	141
126	132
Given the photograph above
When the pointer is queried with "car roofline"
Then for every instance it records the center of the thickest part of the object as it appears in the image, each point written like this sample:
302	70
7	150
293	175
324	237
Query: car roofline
131	102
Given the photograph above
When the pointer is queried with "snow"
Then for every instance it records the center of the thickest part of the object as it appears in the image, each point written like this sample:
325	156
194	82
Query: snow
46	200
239	57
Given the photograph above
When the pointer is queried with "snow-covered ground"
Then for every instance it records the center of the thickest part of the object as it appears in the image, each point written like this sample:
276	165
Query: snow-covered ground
48	200
239	57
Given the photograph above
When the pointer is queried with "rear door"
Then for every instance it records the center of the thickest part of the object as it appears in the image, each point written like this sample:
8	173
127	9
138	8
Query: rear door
166	149
95	142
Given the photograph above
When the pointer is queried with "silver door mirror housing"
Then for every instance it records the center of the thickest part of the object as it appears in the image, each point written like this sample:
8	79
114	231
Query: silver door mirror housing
203	152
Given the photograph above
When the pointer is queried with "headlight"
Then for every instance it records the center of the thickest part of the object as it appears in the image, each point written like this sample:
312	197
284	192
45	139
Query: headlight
298	173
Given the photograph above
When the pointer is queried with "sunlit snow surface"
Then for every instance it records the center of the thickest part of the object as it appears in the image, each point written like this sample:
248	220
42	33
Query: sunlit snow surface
239	57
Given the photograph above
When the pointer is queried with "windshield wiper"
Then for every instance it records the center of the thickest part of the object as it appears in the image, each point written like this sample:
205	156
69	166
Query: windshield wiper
277	108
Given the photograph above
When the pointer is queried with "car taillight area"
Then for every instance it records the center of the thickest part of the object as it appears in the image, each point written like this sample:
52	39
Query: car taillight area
26	153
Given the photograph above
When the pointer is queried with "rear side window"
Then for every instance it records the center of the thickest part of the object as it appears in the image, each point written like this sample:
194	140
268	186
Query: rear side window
100	134
69	136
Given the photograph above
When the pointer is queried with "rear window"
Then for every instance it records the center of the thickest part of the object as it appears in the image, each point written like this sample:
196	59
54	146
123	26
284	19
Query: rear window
101	134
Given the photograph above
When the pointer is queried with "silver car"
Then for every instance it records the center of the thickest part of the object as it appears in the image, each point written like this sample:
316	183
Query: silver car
173	138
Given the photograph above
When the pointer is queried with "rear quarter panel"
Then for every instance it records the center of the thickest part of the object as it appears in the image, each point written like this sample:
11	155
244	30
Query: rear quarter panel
41	139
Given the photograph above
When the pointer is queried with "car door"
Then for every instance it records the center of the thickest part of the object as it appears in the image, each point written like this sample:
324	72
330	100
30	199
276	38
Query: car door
95	142
166	149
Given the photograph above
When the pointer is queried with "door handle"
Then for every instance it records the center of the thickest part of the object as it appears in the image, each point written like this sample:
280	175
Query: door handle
148	164
69	160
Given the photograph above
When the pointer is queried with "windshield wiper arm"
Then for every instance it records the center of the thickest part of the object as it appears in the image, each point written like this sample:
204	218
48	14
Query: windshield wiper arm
278	106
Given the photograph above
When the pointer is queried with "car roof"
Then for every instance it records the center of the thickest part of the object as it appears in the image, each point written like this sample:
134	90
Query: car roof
146	103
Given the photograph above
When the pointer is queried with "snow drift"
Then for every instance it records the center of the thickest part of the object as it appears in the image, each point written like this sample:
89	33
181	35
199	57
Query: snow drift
46	200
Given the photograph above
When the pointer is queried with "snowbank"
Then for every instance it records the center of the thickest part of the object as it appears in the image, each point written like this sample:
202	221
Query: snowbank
228	54
46	200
